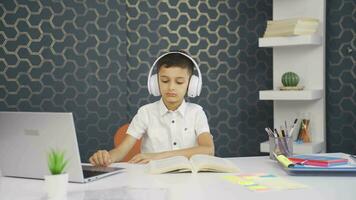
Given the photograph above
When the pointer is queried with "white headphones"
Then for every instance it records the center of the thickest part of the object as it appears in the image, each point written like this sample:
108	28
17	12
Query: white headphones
195	82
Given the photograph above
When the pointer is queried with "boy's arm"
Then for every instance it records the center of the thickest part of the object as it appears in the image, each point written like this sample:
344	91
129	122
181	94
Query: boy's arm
105	158
118	153
205	146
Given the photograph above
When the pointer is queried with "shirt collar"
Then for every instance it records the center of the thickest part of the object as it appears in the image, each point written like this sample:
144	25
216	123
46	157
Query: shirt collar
163	109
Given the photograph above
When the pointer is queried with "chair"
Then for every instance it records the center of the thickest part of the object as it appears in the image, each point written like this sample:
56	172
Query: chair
119	137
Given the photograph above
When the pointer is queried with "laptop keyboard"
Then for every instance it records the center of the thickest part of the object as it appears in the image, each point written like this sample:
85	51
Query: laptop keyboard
91	173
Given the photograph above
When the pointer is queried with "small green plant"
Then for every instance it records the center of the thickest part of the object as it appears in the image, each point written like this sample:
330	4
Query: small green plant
290	79
56	162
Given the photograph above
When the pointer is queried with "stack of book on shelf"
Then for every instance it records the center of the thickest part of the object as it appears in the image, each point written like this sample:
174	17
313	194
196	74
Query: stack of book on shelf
291	27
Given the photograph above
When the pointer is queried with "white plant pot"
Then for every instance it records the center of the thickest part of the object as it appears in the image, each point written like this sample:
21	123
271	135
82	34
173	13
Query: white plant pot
56	186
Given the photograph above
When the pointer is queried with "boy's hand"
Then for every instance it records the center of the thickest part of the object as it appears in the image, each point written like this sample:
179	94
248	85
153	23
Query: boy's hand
101	158
143	158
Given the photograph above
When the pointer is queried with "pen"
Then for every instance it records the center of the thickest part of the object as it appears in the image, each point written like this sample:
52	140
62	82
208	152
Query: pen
282	142
276	132
282	131
285	140
268	132
301	163
273	133
291	130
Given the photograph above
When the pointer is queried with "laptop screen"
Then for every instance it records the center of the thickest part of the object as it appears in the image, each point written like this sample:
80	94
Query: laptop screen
27	137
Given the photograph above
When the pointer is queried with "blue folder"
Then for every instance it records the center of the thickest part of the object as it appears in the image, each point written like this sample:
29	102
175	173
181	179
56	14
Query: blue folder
348	169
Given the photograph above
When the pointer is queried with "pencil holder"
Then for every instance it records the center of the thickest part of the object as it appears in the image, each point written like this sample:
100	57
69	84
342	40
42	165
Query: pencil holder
280	145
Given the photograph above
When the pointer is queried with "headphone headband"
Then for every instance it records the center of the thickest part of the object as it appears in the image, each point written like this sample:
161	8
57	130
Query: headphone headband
199	78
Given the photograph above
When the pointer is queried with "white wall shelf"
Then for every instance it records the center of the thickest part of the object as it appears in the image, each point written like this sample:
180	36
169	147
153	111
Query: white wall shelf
291	95
290	41
304	148
304	55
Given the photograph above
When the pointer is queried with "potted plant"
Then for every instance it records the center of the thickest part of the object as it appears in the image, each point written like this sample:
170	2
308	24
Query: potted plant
290	81
56	183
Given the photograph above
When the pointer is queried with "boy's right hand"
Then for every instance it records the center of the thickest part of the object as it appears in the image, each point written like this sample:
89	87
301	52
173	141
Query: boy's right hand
101	158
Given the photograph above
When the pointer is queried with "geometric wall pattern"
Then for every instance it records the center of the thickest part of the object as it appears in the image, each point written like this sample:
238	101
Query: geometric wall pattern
92	58
66	56
222	37
341	76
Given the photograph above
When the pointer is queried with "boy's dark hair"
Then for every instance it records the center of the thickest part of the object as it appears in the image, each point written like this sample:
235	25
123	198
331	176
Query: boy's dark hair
177	60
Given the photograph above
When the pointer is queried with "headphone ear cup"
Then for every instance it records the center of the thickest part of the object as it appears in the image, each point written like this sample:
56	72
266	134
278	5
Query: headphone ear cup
154	88
193	88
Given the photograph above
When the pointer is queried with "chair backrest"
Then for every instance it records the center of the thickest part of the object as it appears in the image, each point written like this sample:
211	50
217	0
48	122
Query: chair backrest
119	137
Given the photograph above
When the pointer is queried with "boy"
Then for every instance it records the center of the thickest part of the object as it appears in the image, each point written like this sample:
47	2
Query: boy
168	127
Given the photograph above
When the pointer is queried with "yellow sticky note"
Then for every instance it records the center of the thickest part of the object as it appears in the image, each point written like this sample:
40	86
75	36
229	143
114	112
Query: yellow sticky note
246	182
249	177
232	179
257	187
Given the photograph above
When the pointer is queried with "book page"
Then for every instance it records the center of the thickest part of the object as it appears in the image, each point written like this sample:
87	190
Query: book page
174	164
208	163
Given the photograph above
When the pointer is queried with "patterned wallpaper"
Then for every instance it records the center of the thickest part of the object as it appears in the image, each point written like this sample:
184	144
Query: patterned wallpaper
67	56
92	58
222	37
341	76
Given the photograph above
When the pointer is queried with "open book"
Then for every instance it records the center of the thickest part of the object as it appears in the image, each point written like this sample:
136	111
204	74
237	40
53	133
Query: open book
197	163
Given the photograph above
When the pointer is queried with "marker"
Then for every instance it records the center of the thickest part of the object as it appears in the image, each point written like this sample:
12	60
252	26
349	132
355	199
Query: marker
277	132
284	135
268	132
286	127
273	133
284	160
291	130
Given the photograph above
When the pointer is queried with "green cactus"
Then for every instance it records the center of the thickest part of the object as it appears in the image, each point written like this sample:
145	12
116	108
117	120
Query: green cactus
290	79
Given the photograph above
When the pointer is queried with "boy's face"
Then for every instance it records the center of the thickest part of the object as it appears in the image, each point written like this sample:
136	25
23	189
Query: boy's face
173	84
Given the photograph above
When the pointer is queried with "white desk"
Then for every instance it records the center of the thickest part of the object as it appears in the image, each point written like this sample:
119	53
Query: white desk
197	186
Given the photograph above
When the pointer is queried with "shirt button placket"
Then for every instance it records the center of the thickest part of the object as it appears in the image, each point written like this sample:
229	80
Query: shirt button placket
173	131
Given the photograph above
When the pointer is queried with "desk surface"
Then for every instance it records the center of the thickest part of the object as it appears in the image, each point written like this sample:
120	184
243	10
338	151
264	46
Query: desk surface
196	186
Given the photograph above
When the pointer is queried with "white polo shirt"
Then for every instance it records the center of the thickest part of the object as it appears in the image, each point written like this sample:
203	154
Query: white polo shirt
165	130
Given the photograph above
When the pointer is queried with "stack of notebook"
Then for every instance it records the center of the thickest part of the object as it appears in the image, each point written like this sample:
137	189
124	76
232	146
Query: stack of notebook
291	27
317	160
315	164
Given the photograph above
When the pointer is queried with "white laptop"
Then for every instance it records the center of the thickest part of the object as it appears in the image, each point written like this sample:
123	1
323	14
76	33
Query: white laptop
27	137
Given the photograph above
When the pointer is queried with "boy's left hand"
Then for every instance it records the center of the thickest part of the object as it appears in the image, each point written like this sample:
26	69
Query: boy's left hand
143	158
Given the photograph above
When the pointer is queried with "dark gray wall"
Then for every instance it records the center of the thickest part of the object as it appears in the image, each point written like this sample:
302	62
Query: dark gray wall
341	76
92	58
66	56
